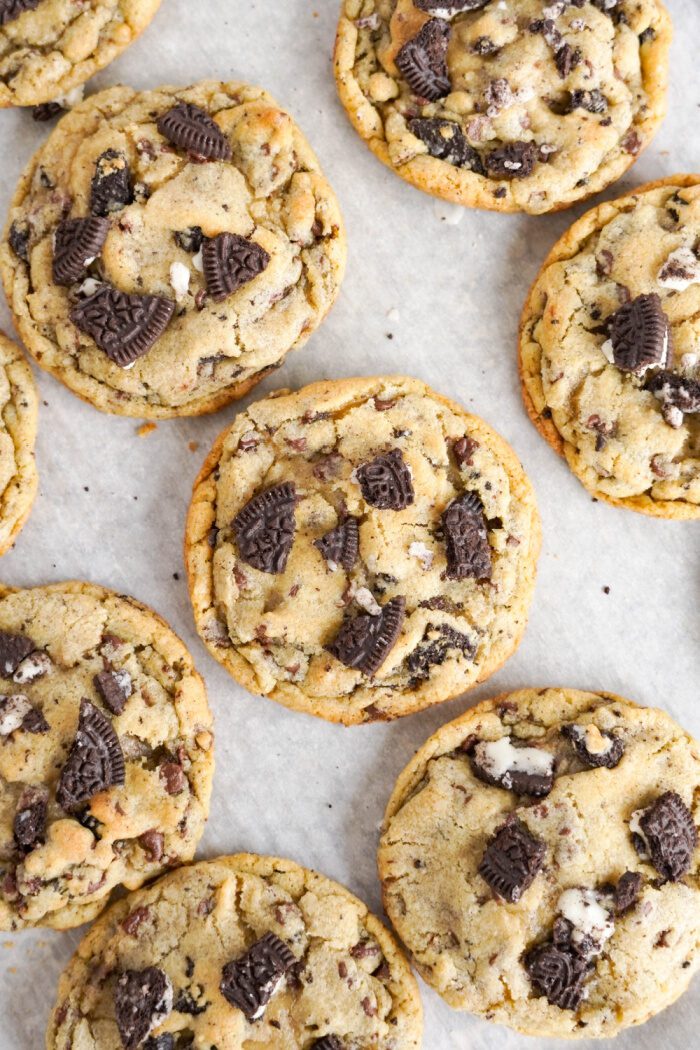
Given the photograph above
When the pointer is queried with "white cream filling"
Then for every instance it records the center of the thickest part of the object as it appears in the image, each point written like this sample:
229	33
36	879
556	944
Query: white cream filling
499	757
589	918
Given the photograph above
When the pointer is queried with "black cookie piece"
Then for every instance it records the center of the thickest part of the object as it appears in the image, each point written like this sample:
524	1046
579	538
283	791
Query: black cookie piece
19	240
250	982
627	891
265	528
124	326
676	393
76	242
446	141
11	9
466	539
592	101
34	722
191	239
422	61
230	262
670	831
160	1042
515	160
512	860
95	761
558	973
29	826
451	7
46	111
341	545
520	781
142	1001
639	334
605	759
566	59
364	641
438	641
114	688
111	184
386	482
13	649
191	128
329	1042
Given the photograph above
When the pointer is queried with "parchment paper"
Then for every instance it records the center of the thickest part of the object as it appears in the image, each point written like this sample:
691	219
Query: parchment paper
112	505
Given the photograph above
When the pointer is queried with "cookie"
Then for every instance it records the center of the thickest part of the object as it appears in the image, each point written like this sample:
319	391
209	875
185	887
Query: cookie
609	355
106	759
510	105
166	249
50	48
539	858
361	549
236	952
18	423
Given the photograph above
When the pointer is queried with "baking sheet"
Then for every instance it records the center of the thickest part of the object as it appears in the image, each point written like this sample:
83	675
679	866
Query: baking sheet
424	296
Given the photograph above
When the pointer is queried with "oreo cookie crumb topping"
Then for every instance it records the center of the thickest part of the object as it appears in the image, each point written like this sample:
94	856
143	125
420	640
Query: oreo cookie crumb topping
364	641
114	688
13	649
341	546
639	334
230	262
524	770
627	891
515	160
466	539
558	973
679	396
12	9
111	184
386	482
422	61
77	242
265	527
29	826
512	860
249	983
142	1001
438	642
190	240
666	833
192	129
95	761
446	141
124	326
594	748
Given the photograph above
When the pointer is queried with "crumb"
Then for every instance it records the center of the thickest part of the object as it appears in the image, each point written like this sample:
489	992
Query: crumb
390	335
176	575
145	429
606	590
193	446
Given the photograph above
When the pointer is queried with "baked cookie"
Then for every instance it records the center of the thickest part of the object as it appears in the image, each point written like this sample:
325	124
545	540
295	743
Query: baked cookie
610	349
106	756
18	416
238	952
48	48
166	249
361	549
511	105
539	859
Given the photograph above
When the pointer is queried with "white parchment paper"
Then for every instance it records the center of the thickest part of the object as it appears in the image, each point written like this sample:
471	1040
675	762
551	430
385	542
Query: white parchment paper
424	296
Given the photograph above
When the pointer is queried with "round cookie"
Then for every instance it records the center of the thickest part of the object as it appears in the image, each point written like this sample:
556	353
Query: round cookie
539	859
236	952
18	423
49	48
106	760
361	549
609	355
166	249
505	104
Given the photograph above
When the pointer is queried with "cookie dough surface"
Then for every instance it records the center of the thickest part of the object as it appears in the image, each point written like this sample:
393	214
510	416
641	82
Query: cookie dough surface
631	437
473	945
383	625
66	840
18	425
50	47
512	105
207	249
347	977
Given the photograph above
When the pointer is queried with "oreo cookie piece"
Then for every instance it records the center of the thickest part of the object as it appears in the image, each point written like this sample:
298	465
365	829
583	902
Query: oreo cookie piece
114	688
466	539
639	335
512	860
438	641
679	396
111	188
524	770
265	528
160	1042
515	160
627	891
446	141
230	262
29	825
124	326
386	481
12	9
422	61
593	101
77	242
95	761
594	748
559	973
329	1042
665	833
341	545
249	983
448	8
142	1001
192	129
13	649
364	641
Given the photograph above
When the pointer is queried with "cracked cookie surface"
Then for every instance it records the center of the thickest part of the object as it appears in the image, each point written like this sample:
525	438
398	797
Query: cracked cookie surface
595	925
628	424
50	47
18	426
361	549
511	105
345	976
166	249
106	752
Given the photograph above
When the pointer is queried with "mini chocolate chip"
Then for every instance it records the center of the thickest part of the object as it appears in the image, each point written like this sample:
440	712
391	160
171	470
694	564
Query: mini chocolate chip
265	527
512	860
609	754
466	539
191	128
111	188
446	141
114	688
515	160
142	1001
364	641
29	824
248	983
124	326
670	831
386	481
422	61
627	891
639	333
95	761
230	262
341	545
438	642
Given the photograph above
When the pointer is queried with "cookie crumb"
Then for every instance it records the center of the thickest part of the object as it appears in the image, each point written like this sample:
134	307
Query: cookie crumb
145	429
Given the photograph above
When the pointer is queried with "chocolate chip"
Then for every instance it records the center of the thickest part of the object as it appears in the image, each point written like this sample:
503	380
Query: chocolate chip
174	776
11	9
46	111
77	241
134	919
512	860
566	59
671	835
364	641
559	974
142	1001
329	1042
422	61
230	262
191	128
341	545
639	334
190	240
13	649
249	983
627	891
593	101
29	825
124	326
446	141
386	482
153	843
95	761
111	188
19	240
438	642
679	396
114	688
609	751
515	160
466	539
265	528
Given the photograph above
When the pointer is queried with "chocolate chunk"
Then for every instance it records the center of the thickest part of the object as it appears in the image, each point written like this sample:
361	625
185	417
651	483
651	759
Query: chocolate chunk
153	844
191	239
450	7
230	262
627	891
566	59
77	241
19	240
438	641
95	761
364	641
191	128
512	860
11	9
114	688
329	1042
422	61
670	834
249	983
386	481
446	141
639	334
679	396
515	160
606	752
13	649
46	111
174	777
593	101
524	770
29	825
111	188
341	545
142	1001
559	974
466	539
265	528
124	326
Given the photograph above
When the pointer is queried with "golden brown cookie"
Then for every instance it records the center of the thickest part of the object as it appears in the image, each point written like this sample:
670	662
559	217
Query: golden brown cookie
18	425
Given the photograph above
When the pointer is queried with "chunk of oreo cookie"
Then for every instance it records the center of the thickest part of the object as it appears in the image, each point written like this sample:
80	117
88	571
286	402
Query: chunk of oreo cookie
627	891
265	527
13	649
191	128
160	1042
594	748
114	688
559	973
679	396
593	101
422	61
466	539
77	242
438	642
448	8
190	239
249	983
341	545
12	9
386	482
19	240
515	160
566	59
512	860
445	140
230	262
639	334
111	188
29	825
95	761
329	1042
669	835
524	770
142	1001
364	641
124	326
